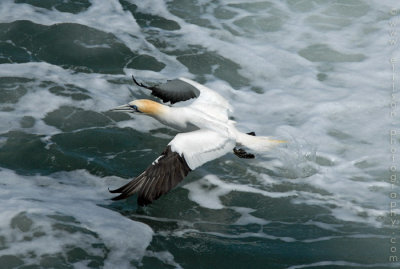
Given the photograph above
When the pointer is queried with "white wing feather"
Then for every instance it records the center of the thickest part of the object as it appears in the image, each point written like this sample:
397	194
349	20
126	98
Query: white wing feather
201	146
210	102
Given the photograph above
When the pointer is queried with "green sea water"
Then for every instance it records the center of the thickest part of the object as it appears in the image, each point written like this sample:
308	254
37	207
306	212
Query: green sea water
315	73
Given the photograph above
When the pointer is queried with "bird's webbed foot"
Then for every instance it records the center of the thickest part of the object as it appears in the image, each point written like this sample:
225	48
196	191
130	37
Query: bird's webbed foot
241	153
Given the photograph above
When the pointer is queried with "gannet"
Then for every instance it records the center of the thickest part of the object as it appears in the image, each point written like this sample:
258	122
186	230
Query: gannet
205	133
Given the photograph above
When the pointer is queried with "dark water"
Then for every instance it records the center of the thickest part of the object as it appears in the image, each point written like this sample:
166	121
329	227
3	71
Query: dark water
312	72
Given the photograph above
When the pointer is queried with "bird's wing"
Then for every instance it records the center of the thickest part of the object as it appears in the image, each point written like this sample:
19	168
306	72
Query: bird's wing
182	155
161	176
201	146
183	89
210	102
172	91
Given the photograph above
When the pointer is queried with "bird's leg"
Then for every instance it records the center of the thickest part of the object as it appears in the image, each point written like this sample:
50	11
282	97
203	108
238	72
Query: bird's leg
241	153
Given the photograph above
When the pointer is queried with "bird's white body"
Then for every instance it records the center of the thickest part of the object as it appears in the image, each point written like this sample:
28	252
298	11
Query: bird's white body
205	133
208	132
209	110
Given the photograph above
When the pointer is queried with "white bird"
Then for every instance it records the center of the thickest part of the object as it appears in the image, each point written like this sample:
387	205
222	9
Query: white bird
206	133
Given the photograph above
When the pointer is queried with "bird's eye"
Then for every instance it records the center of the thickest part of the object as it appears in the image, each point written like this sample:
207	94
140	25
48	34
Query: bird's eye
134	107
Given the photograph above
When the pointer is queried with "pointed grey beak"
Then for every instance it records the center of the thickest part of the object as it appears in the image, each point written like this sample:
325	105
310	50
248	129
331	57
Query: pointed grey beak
123	108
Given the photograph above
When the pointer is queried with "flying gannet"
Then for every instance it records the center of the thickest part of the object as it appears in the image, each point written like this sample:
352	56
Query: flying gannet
206	133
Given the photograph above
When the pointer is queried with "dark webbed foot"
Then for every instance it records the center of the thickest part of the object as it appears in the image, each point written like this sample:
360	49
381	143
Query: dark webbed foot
241	153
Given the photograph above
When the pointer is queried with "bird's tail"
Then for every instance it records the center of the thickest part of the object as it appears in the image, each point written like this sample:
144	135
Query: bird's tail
257	143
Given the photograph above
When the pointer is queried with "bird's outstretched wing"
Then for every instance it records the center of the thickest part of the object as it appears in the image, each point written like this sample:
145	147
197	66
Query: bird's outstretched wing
161	176
172	91
183	89
210	102
182	155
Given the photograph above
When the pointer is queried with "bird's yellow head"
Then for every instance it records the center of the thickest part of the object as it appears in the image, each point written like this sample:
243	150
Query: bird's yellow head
141	106
146	106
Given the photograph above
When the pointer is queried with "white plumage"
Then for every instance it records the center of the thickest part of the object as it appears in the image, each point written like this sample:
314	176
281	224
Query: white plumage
206	133
201	146
210	102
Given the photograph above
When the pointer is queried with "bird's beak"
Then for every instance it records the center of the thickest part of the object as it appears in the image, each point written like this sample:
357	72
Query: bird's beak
123	108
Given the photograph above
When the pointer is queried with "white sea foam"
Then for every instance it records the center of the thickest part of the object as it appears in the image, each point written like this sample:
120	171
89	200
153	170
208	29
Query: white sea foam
208	190
241	235
165	256
247	218
320	118
333	113
61	211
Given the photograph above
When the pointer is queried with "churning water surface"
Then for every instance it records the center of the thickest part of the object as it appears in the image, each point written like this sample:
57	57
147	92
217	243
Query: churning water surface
316	73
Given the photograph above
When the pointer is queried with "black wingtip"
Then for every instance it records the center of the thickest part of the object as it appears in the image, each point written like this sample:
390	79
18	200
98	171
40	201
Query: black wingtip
140	84
141	201
119	197
114	191
135	81
158	179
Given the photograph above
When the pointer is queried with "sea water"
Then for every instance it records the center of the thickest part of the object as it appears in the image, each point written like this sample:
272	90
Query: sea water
316	73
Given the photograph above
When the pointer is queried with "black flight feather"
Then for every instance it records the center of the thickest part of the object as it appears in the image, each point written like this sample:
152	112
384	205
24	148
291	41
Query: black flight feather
159	178
172	91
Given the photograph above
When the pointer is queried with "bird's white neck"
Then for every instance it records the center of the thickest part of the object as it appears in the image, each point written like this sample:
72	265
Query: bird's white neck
174	117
